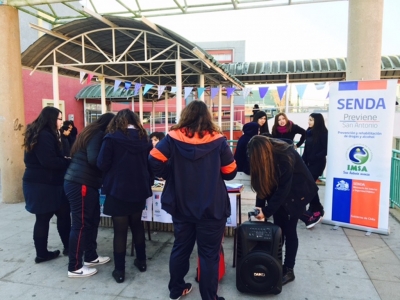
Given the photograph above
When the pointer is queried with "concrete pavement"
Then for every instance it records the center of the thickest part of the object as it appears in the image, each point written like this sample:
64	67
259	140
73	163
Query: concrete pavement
331	264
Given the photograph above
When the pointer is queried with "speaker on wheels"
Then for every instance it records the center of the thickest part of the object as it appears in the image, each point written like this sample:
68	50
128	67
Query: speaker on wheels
259	257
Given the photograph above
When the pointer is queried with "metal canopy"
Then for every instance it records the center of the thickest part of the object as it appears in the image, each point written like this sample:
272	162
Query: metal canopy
305	70
119	48
54	13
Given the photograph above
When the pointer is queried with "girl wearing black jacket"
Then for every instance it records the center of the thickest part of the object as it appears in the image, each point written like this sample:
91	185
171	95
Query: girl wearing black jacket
285	129
314	156
127	184
262	120
42	182
281	179
82	182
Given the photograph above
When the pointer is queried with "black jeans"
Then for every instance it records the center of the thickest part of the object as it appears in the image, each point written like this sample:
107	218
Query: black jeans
208	235
85	210
316	170
289	236
42	225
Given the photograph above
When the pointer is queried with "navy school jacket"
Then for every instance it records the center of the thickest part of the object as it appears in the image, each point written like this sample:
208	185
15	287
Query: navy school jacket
195	170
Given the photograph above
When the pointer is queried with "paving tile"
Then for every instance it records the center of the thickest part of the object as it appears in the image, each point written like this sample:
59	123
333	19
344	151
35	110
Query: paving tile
384	272
388	290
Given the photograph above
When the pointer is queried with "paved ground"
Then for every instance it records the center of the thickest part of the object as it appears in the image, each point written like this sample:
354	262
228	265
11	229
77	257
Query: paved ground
331	264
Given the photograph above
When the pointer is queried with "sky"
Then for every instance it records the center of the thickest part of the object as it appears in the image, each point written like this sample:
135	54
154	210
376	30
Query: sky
286	32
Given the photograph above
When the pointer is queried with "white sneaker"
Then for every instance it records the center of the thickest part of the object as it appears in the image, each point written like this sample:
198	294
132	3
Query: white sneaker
82	272
98	261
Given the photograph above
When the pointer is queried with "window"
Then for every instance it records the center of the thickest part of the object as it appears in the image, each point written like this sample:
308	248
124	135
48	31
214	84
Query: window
222	56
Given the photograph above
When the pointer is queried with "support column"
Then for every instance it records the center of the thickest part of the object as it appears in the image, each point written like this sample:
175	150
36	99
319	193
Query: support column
141	104
12	113
178	95
201	83
364	42
103	95
166	112
220	106
56	90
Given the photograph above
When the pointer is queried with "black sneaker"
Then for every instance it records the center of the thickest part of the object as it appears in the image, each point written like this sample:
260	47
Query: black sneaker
66	251
288	275
312	221
187	290
140	264
50	255
119	275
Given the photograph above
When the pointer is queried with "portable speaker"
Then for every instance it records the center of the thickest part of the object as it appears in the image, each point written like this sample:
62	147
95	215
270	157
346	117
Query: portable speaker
259	256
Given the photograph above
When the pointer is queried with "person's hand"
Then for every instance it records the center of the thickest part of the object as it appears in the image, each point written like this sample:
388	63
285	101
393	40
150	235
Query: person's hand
260	216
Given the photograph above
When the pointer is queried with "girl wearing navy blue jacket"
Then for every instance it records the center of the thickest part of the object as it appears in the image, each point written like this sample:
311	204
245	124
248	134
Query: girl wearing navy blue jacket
195	159
281	179
45	167
127	182
314	156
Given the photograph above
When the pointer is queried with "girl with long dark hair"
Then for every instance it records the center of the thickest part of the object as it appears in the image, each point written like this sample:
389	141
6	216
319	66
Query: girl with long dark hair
260	117
314	156
127	184
281	179
285	129
45	167
82	182
195	159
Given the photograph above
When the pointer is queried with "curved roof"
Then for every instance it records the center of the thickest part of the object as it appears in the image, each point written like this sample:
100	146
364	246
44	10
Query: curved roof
125	49
326	69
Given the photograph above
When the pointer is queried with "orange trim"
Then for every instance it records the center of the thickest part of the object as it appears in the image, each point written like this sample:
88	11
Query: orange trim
229	168
196	140
372	85
158	155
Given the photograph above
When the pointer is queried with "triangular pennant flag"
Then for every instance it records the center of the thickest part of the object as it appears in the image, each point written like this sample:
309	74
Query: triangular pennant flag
137	88
173	89
161	89
200	91
301	88
327	96
246	92
281	90
81	76
214	92
89	78
127	85
188	90
263	90
229	91
319	85
116	85
147	87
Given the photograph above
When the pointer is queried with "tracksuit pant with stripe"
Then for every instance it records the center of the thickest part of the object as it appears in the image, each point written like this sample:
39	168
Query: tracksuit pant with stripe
85	210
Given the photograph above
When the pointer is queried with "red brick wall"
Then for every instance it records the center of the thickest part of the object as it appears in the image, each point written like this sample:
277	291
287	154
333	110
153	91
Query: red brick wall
39	86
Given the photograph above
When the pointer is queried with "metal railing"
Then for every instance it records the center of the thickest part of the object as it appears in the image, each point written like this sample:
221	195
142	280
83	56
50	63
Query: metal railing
395	179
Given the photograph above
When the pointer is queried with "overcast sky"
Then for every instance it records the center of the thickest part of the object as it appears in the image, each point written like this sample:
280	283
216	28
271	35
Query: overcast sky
285	32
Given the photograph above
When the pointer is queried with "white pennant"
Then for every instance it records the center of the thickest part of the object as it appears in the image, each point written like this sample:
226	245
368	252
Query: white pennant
161	89
246	92
81	76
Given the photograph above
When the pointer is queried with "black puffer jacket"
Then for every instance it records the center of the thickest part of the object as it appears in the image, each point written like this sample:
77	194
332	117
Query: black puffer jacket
83	168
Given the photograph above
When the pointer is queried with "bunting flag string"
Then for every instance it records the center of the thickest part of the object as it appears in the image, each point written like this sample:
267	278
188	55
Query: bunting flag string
116	85
200	91
281	91
246	92
161	89
188	90
89	78
301	88
229	91
214	92
173	89
263	90
81	76
147	87
137	88
327	96
128	85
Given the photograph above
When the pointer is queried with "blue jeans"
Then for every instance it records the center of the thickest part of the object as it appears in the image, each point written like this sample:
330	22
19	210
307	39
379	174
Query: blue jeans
208	235
85	210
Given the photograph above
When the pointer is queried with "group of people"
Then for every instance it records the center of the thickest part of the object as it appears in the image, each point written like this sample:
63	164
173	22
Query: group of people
115	154
284	181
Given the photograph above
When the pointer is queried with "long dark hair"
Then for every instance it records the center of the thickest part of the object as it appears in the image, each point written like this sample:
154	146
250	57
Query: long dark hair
259	115
262	152
124	118
196	118
319	127
89	131
47	118
276	124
